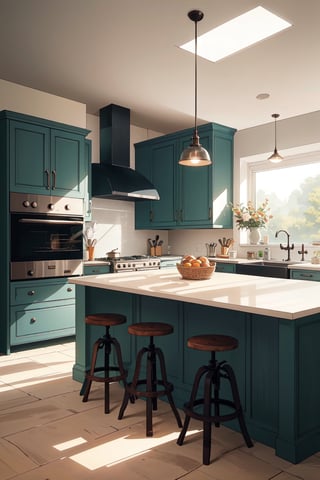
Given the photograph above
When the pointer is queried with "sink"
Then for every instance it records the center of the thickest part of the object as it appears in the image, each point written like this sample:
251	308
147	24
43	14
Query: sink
275	263
266	268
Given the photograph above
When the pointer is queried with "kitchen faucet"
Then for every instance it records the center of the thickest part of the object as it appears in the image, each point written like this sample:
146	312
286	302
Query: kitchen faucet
288	248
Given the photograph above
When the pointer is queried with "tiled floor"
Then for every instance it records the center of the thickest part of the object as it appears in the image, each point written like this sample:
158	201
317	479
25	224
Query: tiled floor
47	433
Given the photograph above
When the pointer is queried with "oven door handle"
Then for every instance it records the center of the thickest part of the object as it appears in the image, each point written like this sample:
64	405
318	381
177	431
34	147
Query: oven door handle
39	220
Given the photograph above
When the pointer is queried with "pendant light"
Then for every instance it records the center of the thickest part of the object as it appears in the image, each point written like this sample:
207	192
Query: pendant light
195	155
275	157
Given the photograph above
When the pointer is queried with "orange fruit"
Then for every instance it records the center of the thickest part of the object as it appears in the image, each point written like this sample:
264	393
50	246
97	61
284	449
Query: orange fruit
187	264
205	264
203	259
187	258
195	263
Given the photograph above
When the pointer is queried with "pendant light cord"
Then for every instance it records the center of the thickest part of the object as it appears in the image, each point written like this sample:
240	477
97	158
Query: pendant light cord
195	75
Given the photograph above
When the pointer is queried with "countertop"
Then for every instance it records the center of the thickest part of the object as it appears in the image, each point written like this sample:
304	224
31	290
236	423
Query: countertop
276	297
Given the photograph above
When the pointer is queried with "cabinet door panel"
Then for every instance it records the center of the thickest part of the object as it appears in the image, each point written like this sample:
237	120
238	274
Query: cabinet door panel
195	190
41	323
163	176
40	291
143	164
67	164
29	157
223	181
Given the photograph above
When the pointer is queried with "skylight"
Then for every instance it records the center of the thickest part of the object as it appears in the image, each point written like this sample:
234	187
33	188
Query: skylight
237	34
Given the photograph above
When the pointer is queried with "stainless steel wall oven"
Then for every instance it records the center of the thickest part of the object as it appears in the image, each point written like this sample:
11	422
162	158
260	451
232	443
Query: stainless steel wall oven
46	236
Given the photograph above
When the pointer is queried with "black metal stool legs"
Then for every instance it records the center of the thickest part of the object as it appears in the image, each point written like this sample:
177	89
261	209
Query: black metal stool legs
213	374
151	392
105	342
236	399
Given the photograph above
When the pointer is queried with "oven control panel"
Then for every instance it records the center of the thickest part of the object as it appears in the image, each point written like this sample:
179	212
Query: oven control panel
29	203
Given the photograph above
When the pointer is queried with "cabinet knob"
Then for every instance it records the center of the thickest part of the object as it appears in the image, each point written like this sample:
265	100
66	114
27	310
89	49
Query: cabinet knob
31	292
67	207
51	206
69	289
26	203
33	320
30	273
34	204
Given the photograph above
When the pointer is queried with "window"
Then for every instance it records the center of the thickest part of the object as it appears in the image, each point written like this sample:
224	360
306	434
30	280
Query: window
293	190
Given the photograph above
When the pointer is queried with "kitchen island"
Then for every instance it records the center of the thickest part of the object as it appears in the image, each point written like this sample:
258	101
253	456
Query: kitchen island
276	321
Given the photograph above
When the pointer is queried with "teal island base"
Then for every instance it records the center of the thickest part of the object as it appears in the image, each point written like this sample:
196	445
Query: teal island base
276	364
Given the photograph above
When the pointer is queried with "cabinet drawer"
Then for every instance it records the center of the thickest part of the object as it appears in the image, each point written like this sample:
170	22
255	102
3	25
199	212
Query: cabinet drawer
40	291
312	275
37	324
96	269
225	267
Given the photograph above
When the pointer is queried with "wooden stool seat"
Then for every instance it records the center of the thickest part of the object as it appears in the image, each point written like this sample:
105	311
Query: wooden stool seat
106	343
206	406
150	329
148	387
213	343
105	319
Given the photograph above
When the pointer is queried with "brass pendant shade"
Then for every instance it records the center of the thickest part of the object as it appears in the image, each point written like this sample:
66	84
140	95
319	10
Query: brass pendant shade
195	155
275	157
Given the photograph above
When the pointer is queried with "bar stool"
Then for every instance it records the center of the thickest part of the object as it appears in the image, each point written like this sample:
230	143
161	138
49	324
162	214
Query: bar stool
212	374
106	342
151	382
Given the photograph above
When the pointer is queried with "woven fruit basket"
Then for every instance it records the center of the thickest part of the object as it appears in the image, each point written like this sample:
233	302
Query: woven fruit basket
199	273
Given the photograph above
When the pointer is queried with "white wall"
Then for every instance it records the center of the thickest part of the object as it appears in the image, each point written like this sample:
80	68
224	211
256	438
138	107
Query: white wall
40	104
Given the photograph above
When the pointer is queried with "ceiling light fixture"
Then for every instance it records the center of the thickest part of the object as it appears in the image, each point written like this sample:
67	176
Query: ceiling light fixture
195	155
275	157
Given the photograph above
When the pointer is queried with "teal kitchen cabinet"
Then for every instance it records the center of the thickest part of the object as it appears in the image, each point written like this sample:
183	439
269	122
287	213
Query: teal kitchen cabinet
225	267
28	147
298	274
41	310
96	269
45	157
189	197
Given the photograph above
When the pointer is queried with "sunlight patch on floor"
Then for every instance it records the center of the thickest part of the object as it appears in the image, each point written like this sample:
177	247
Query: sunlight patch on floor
120	450
69	444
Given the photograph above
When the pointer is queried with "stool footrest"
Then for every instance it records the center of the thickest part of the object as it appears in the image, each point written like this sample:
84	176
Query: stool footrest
113	378
189	410
168	387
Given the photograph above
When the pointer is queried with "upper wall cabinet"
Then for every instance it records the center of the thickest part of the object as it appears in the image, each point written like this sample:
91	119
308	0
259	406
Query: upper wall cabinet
190	197
45	157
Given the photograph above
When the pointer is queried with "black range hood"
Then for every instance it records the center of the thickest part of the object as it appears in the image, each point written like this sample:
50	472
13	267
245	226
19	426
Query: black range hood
113	178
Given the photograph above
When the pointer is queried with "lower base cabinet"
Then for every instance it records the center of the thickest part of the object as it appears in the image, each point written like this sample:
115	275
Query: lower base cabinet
225	267
311	275
41	310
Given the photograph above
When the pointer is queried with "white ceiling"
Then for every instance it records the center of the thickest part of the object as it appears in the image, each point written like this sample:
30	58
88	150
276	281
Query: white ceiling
125	52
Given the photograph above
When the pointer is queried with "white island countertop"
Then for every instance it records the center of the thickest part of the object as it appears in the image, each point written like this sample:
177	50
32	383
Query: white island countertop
275	297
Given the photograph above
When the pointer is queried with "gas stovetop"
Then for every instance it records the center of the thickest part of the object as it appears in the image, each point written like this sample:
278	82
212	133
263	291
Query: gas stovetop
134	263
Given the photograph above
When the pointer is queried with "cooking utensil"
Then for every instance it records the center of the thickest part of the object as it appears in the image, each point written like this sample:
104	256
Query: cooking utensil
113	254
211	249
